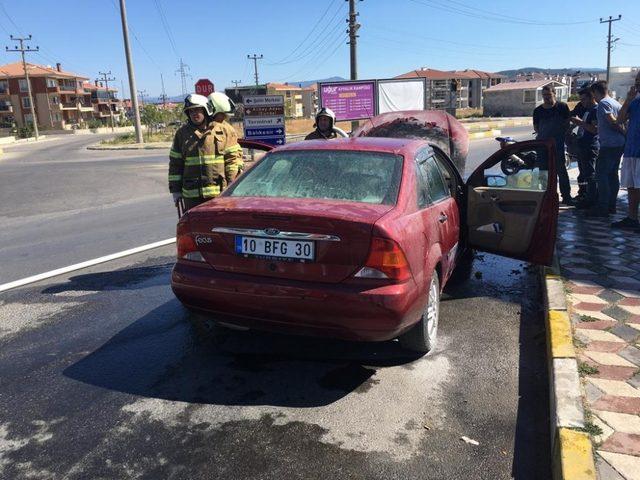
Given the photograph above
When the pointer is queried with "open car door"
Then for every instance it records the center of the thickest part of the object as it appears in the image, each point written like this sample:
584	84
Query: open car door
512	202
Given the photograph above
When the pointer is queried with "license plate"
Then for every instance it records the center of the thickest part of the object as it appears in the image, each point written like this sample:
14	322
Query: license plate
271	248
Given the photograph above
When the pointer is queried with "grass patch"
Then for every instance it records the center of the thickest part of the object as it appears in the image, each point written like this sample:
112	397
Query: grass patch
130	138
586	369
579	343
588	318
590	428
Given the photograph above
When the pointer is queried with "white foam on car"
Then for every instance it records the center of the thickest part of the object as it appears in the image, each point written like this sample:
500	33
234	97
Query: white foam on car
89	263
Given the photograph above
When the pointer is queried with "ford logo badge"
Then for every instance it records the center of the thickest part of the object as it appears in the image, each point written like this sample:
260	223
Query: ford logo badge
271	231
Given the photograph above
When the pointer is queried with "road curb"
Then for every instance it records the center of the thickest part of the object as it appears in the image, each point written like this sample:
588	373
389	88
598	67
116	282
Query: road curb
485	134
132	146
571	449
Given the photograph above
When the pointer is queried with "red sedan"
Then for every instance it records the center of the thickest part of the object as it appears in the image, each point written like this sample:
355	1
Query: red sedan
355	238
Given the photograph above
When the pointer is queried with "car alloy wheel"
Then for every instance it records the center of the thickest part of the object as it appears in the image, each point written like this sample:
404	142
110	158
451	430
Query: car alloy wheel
422	337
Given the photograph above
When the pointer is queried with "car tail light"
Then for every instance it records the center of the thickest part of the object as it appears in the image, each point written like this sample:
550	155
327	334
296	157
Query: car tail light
187	248
386	261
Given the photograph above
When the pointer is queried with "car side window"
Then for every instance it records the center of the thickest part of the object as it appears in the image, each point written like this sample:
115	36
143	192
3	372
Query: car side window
436	187
431	185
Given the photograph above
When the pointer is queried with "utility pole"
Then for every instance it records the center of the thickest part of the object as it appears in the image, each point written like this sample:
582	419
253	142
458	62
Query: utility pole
163	95
142	94
609	41
354	26
22	51
132	78
106	79
236	82
255	59
183	76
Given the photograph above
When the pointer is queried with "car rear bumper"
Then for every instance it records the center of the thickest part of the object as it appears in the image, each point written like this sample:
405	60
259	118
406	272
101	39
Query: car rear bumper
345	311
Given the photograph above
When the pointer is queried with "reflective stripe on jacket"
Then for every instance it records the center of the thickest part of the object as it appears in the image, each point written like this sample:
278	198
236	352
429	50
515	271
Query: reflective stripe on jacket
203	162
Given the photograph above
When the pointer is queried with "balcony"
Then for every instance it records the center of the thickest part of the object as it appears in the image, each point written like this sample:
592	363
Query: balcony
6	107
85	107
68	105
68	88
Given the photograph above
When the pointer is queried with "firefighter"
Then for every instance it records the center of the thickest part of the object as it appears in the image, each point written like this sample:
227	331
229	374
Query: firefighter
325	126
205	156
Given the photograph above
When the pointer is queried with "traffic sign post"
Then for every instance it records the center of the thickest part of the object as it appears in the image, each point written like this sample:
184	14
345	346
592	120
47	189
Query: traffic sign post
205	87
264	119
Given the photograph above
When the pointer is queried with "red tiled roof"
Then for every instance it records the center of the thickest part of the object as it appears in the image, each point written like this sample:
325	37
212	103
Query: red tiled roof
432	74
93	86
16	70
282	86
521	85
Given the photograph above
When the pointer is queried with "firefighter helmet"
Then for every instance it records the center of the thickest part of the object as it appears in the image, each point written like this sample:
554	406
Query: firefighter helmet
194	100
326	112
220	103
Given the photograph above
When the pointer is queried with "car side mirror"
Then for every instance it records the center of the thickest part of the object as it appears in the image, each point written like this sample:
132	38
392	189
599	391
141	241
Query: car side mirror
495	181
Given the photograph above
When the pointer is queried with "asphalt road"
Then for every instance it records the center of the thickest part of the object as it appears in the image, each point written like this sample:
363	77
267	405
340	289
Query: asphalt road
103	376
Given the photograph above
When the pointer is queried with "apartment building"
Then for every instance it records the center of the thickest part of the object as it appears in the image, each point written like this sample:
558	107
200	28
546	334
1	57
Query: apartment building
61	99
293	104
470	85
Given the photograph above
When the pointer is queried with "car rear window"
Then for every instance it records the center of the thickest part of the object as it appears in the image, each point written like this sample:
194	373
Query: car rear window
367	177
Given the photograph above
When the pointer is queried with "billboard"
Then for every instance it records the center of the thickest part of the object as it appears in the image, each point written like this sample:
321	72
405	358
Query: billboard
396	95
354	100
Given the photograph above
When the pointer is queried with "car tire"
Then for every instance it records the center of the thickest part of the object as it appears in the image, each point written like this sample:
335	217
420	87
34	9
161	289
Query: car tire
464	268
422	336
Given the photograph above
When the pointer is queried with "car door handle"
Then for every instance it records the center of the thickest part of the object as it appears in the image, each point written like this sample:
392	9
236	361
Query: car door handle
443	218
494	197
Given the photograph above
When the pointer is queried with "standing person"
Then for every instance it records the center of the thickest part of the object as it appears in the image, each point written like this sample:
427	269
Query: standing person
588	147
630	172
205	155
612	139
325	121
551	121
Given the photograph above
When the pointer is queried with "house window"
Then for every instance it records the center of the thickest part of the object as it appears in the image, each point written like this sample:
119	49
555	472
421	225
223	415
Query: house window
26	103
28	118
529	96
51	83
23	84
55	100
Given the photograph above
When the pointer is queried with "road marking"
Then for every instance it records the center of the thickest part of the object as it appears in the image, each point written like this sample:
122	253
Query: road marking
89	263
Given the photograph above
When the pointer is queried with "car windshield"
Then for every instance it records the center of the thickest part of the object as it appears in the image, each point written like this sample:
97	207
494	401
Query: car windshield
367	177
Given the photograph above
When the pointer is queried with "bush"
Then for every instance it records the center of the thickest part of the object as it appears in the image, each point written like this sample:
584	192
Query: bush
25	132
94	123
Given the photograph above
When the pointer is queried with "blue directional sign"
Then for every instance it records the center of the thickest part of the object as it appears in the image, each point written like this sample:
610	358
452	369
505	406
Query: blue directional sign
264	119
275	141
264	132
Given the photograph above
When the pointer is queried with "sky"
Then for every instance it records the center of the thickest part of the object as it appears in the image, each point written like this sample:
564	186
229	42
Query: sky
306	40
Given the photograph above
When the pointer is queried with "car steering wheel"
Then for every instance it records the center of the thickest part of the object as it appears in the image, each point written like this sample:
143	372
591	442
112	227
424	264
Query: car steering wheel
510	165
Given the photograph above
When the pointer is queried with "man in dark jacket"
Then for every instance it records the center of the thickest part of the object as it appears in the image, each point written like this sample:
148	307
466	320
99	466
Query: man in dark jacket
325	121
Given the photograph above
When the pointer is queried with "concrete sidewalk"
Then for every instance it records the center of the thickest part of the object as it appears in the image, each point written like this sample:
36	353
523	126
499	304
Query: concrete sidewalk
601	272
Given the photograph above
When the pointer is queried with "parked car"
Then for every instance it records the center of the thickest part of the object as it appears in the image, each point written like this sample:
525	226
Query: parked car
356	238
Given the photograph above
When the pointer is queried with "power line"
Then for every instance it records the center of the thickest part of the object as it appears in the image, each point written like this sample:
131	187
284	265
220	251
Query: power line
610	42
469	11
317	60
166	27
284	59
320	39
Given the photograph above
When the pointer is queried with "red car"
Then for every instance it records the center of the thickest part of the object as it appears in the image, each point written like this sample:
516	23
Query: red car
355	238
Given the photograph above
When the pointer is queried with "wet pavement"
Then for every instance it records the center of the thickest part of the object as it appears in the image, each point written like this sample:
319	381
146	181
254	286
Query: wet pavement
104	377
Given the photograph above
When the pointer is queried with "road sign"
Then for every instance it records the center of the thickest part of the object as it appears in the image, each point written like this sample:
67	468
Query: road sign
263	132
205	87
261	122
256	100
264	118
264	111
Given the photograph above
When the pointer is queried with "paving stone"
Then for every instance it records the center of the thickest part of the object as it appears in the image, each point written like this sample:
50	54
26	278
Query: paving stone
606	471
615	387
597	325
612	372
592	393
607	431
598	315
632	309
620	442
624	302
630	405
620	422
607	347
635	380
626	332
590	307
608	358
616	313
588	283
630	292
587	336
578	298
632	354
610	296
